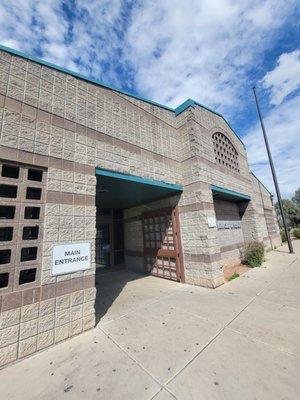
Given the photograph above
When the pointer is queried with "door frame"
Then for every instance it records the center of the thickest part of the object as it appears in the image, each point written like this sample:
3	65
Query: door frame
174	212
176	224
108	219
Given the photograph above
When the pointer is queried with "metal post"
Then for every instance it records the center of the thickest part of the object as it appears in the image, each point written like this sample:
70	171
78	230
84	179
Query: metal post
274	175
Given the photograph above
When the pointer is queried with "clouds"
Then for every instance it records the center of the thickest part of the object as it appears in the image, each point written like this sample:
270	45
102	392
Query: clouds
284	78
206	50
165	50
282	126
210	50
78	35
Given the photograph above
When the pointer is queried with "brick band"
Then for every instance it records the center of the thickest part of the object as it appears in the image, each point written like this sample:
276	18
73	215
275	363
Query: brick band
14	300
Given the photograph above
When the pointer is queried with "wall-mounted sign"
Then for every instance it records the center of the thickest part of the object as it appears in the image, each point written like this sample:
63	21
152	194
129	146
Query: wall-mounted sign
229	224
68	258
211	222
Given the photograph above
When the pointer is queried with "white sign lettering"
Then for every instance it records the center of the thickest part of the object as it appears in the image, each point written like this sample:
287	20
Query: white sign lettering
68	258
229	224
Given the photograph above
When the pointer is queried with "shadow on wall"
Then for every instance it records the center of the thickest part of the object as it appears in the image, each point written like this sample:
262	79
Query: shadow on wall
109	285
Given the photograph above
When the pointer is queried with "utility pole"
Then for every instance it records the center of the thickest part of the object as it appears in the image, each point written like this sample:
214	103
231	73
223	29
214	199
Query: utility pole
273	174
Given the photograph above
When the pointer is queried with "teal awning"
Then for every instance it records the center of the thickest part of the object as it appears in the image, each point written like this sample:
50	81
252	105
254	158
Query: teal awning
227	194
118	190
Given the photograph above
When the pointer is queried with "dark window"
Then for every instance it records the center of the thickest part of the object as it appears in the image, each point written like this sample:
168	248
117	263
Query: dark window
32	213
8	191
5	256
6	234
10	171
30	232
7	212
4	279
27	275
28	253
33	193
35	175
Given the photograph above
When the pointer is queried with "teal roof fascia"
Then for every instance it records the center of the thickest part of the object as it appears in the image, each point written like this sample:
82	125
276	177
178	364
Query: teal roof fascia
184	106
261	183
221	190
138	179
178	110
192	103
80	76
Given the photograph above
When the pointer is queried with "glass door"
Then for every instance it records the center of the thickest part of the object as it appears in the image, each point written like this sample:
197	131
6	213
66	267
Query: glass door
109	239
103	259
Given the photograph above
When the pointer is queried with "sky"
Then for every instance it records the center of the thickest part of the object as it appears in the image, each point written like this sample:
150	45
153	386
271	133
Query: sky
213	51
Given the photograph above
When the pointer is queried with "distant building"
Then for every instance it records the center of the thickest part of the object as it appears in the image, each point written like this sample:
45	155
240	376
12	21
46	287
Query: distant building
93	178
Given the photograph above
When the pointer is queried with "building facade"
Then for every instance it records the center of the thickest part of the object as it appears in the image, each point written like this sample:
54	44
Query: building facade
145	187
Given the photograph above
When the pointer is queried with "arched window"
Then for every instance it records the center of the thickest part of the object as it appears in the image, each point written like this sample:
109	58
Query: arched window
225	152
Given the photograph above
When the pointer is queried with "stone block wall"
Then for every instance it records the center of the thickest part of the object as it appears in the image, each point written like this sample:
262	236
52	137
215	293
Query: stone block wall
232	238
66	126
266	220
30	321
203	253
202	250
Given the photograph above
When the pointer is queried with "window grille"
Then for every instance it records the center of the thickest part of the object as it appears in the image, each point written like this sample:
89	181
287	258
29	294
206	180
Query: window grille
225	152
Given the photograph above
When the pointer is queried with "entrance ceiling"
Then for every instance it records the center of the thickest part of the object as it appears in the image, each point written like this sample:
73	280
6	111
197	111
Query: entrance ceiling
117	190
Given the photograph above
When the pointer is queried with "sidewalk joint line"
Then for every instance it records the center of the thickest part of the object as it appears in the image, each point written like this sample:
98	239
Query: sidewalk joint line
257	340
130	356
227	324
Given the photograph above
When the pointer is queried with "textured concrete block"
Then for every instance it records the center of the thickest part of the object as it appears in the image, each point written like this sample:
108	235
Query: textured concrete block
28	329
89	308
45	339
9	318
76	312
88	322
62	302
62	317
90	294
47	307
61	333
46	322
8	354
9	335
77	298
27	346
76	327
29	312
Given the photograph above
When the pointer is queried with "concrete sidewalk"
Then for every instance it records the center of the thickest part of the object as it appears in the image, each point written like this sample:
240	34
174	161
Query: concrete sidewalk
162	340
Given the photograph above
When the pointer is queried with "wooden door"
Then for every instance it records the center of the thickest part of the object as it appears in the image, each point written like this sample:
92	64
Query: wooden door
162	244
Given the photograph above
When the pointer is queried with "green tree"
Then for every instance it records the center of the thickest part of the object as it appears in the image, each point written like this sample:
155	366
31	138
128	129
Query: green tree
296	198
291	211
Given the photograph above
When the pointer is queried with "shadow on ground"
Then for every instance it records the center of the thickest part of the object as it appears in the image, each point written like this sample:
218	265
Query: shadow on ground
109	285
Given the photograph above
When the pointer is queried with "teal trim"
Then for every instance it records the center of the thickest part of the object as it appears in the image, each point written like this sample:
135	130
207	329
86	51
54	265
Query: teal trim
78	75
261	183
138	179
118	190
227	193
178	110
184	106
192	103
